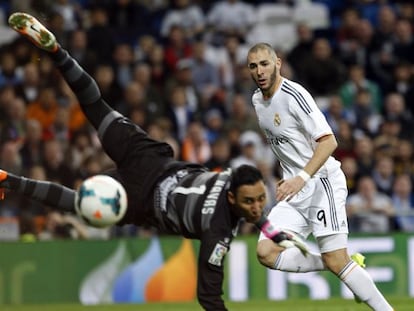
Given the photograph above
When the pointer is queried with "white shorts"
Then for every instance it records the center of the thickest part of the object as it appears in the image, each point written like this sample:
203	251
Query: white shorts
319	208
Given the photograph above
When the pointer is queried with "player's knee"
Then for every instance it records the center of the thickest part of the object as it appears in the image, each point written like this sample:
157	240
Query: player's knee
267	253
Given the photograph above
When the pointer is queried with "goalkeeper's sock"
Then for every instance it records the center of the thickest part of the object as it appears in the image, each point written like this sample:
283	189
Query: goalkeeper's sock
51	194
292	260
361	284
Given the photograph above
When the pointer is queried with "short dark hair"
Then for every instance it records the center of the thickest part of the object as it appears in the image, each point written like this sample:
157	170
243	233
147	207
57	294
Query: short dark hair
244	175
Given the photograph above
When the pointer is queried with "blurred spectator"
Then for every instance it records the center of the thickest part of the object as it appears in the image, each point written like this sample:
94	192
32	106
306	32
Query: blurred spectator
176	47
10	159
29	87
350	168
14	128
383	59
204	74
81	149
406	10
403	41
370	211
303	47
179	112
54	163
69	10
187	15
229	17
244	84
228	58
214	124
335	113
101	39
128	19
123	62
346	140
322	73
383	174
32	150
387	140
364	155
48	74
9	73
240	115
23	51
402	83
133	97
44	108
395	109
183	78
195	147
403	202
144	48
59	129
159	73
154	101
356	81
220	155
366	119
67	99
404	158
251	147
7	94
109	87
78	47
347	31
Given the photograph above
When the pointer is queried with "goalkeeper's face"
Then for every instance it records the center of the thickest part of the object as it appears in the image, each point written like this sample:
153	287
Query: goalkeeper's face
248	201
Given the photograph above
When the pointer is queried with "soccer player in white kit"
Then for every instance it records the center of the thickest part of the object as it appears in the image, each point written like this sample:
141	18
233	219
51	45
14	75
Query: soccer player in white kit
312	195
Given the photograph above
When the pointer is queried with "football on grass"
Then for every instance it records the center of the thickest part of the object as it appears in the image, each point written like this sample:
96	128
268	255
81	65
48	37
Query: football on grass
101	201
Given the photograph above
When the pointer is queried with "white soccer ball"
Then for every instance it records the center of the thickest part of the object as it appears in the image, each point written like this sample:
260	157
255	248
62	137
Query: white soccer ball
101	201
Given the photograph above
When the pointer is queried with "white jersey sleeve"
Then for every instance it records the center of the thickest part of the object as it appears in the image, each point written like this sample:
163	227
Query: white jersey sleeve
292	122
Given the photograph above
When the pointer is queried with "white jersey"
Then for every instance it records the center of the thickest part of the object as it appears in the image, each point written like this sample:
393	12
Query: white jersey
292	122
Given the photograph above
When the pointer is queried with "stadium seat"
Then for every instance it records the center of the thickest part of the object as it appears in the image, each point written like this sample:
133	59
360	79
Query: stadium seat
282	36
273	14
316	15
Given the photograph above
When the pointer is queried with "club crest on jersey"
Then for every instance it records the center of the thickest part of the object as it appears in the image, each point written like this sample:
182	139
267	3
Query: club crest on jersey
276	119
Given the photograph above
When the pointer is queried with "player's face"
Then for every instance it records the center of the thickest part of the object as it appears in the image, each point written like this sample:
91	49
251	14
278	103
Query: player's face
265	70
249	201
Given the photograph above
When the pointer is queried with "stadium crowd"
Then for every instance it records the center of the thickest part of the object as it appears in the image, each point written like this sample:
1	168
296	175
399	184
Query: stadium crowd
178	69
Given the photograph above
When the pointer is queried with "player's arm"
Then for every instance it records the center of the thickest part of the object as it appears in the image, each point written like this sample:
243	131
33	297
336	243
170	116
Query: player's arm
324	149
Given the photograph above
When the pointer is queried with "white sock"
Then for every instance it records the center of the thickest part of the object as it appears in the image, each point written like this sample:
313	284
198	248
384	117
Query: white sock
292	260
361	284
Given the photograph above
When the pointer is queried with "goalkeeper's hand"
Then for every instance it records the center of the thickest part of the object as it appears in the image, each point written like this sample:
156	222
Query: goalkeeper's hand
288	240
282	238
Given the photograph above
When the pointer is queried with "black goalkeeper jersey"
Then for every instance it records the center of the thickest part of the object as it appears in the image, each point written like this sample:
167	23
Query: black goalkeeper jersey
197	208
176	197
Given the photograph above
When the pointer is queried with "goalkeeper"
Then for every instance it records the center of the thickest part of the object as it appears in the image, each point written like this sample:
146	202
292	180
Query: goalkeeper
175	197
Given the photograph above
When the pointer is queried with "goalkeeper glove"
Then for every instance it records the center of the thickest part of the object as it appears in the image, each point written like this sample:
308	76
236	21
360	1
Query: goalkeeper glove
280	237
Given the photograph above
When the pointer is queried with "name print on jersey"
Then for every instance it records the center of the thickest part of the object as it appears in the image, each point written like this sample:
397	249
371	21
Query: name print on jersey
212	197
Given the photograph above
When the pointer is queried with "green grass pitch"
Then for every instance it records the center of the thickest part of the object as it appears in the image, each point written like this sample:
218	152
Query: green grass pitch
399	303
